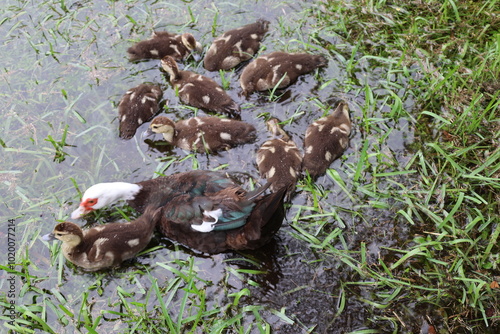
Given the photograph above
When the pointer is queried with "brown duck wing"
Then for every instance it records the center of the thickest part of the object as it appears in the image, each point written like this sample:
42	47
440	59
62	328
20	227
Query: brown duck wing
159	191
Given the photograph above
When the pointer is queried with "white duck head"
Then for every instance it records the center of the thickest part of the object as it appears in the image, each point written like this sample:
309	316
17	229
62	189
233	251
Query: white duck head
103	194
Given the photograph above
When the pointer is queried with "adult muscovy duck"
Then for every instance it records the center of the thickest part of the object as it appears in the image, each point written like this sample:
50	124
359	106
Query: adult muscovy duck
204	210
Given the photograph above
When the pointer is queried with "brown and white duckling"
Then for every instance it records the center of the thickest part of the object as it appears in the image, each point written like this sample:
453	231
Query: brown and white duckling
163	44
278	69
137	106
325	140
199	91
204	134
107	245
235	46
279	160
204	210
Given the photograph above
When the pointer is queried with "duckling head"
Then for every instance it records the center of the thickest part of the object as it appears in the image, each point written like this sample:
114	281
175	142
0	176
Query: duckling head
276	130
104	194
165	126
190	42
170	66
69	233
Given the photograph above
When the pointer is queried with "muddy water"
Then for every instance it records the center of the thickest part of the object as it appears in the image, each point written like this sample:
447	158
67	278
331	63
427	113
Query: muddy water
68	66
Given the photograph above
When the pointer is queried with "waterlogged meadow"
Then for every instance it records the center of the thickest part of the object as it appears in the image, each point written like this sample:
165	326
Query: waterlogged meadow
400	235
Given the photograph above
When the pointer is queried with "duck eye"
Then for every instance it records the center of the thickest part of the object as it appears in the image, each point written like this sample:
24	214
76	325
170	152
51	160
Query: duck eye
91	201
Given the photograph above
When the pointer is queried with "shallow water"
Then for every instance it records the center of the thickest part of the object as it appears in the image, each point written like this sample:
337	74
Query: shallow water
69	67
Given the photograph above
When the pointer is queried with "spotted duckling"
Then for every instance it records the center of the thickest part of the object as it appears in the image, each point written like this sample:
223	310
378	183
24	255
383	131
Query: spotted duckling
203	134
199	91
235	46
204	210
279	160
278	69
137	106
163	44
325	140
107	245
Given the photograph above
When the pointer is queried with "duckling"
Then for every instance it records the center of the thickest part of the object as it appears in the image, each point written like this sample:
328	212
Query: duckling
279	159
279	69
204	134
199	91
163	44
235	46
107	245
204	210
325	140
137	106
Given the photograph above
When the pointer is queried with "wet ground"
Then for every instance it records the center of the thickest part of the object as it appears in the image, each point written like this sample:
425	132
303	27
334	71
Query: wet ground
70	68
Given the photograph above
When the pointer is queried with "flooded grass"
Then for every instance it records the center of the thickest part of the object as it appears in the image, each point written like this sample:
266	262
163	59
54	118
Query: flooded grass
400	235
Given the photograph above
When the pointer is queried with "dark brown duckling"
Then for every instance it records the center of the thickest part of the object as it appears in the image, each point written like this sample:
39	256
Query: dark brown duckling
106	245
279	160
278	69
199	91
204	210
137	106
235	46
204	134
163	44
325	140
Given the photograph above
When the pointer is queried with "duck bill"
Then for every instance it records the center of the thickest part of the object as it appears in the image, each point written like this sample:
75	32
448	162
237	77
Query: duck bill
79	212
148	133
48	237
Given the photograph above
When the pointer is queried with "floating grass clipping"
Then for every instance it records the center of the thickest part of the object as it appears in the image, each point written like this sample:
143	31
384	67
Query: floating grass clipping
225	82
59	155
272	96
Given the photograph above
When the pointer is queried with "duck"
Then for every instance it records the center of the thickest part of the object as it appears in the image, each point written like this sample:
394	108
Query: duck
163	43
138	105
235	46
203	210
325	140
199	91
208	134
107	245
278	69
279	160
